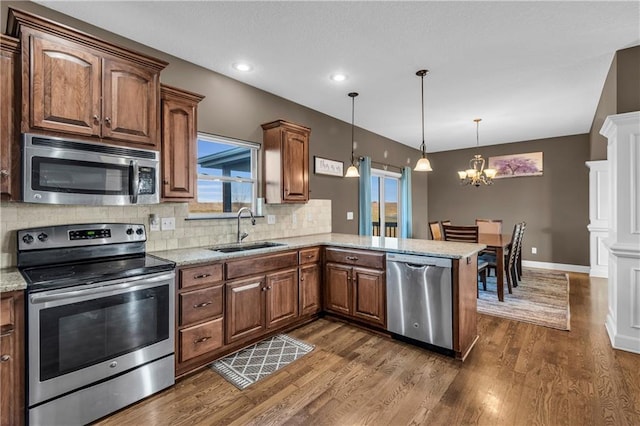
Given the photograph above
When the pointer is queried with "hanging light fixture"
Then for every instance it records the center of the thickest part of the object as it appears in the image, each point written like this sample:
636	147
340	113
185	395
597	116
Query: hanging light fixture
476	174
423	164
352	171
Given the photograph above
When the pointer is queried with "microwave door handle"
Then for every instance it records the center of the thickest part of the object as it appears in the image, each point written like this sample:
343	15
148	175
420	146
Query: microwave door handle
134	181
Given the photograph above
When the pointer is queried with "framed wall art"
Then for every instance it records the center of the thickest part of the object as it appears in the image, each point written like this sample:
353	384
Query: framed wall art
324	166
517	165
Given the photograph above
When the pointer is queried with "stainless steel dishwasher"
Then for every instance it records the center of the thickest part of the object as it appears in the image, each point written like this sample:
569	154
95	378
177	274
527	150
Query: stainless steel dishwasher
419	298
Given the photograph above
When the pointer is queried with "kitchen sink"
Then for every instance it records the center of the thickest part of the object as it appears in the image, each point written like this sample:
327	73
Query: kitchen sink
232	248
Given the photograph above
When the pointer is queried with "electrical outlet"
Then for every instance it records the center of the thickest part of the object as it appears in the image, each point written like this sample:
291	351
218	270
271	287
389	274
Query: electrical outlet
168	223
534	250
349	215
154	222
271	219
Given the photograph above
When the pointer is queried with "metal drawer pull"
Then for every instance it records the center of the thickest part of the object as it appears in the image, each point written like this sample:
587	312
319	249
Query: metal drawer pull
202	305
202	339
5	358
309	256
197	277
352	258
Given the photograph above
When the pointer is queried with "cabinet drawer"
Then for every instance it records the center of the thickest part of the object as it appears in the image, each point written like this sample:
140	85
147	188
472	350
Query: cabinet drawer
260	265
311	255
200	304
200	339
369	259
191	277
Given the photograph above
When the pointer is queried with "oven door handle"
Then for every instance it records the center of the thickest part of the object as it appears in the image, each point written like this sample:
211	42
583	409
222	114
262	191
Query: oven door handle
134	181
104	288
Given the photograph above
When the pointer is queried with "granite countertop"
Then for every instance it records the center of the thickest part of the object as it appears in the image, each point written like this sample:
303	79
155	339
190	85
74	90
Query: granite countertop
444	249
11	280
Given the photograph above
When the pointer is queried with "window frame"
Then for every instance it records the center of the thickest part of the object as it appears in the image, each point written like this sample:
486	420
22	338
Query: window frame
380	173
254	148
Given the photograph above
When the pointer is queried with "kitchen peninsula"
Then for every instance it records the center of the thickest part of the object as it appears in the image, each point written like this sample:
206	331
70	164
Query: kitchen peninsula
350	285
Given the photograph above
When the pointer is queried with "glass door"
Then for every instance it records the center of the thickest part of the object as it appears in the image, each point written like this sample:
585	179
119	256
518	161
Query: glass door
385	203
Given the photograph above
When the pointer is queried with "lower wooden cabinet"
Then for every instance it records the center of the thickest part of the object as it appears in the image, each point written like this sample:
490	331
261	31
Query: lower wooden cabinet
281	298
12	358
201	339
310	289
244	317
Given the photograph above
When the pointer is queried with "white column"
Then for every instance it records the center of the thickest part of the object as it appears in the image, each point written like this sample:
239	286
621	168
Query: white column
598	217
623	157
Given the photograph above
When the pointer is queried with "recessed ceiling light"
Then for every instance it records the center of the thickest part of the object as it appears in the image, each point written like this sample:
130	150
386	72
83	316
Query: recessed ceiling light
242	66
338	77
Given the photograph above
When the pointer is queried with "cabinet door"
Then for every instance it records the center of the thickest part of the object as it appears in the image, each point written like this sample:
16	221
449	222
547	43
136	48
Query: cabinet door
11	358
64	87
337	287
8	395
131	106
310	289
244	314
369	295
178	149
282	297
295	163
9	149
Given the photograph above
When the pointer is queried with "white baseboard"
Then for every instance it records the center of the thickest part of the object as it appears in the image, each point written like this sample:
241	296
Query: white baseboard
599	272
556	266
623	343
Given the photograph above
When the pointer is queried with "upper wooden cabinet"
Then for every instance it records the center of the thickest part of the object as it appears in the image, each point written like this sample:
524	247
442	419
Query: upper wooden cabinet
286	162
74	83
9	112
179	138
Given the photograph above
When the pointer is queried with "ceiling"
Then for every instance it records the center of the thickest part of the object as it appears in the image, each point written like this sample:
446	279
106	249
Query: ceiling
530	70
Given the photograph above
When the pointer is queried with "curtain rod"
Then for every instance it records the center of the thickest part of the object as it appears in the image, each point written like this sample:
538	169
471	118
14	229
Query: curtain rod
384	165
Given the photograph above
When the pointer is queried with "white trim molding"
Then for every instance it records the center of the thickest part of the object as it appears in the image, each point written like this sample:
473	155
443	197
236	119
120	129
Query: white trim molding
623	241
598	217
556	266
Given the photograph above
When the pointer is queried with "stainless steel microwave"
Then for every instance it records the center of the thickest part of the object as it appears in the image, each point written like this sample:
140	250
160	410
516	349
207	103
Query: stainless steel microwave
65	171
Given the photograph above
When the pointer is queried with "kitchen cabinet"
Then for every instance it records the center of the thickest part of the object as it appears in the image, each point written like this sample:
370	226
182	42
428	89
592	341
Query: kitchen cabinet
310	273
355	285
74	83
266	299
179	143
199	315
9	113
286	162
12	358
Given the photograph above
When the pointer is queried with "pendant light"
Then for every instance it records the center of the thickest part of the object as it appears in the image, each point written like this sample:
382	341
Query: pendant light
476	174
423	164
352	171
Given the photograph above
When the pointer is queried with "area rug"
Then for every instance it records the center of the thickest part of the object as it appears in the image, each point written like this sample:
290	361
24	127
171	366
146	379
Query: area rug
541	298
258	361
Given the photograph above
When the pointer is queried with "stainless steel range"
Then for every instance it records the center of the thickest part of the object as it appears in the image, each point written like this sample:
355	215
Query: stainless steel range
100	320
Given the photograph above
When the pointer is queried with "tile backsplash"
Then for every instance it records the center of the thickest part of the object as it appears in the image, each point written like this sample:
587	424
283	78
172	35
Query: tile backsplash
290	220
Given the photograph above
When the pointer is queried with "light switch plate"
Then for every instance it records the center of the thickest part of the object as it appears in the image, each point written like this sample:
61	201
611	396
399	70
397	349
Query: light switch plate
349	215
271	219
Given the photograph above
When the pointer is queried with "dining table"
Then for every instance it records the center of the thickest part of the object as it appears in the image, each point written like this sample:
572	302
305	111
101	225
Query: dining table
500	243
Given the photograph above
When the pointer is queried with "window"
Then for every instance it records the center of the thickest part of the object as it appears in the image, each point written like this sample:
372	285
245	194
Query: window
227	176
385	203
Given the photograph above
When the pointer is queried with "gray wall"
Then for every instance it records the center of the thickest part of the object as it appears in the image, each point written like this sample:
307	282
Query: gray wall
555	205
620	94
236	110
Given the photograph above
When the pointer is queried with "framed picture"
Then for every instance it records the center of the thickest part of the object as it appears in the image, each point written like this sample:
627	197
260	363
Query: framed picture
517	165
324	166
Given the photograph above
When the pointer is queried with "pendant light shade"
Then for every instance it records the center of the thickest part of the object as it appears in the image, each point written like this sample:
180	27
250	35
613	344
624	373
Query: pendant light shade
352	171
423	164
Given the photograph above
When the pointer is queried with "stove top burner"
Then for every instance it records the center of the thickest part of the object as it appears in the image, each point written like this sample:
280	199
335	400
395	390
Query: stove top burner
71	274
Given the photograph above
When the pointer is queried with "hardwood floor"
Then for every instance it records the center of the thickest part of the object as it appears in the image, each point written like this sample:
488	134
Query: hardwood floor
518	374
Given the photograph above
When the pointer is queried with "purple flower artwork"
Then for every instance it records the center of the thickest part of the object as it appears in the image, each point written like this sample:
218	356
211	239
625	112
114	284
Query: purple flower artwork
517	165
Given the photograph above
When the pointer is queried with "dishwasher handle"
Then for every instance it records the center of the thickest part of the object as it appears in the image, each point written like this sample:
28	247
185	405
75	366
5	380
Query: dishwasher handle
416	261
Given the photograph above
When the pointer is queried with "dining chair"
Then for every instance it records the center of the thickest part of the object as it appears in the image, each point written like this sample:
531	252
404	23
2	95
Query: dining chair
445	222
468	234
510	267
519	251
489	226
436	231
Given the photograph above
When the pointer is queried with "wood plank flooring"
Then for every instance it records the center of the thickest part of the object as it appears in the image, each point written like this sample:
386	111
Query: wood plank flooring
517	374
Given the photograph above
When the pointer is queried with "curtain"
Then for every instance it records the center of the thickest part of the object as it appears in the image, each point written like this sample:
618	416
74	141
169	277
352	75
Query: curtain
406	217
364	200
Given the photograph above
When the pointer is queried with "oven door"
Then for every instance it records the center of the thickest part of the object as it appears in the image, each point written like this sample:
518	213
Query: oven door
84	334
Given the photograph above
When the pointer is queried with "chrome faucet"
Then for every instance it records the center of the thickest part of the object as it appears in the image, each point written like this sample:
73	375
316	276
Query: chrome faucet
253	222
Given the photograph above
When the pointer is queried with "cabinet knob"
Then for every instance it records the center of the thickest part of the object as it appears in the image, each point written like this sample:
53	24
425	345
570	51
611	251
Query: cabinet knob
5	358
4	173
96	117
107	120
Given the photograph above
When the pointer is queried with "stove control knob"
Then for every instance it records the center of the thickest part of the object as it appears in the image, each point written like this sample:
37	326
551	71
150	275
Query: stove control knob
42	237
27	239
139	231
129	231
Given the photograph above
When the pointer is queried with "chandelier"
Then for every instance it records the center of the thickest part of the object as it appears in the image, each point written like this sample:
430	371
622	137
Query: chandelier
352	171
476	174
423	164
